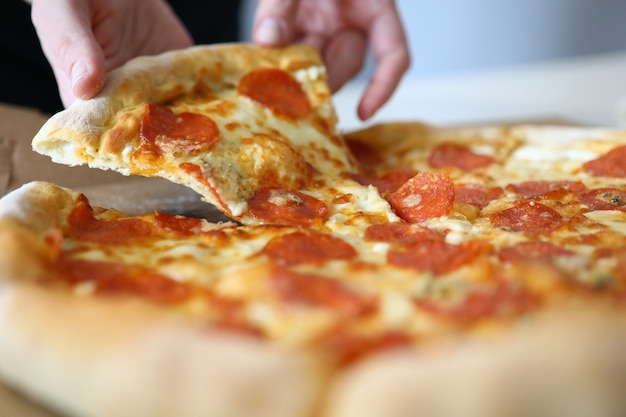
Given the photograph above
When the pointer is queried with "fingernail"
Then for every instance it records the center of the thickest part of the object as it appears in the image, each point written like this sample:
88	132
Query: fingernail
269	31
79	71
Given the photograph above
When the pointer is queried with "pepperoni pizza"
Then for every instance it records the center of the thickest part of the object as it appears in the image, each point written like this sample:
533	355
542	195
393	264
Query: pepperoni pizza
401	270
228	121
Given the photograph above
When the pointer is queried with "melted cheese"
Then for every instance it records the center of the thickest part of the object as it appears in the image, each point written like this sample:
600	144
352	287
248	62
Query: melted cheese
550	154
613	219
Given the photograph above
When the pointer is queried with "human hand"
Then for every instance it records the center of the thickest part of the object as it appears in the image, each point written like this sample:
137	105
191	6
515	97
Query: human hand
85	39
341	29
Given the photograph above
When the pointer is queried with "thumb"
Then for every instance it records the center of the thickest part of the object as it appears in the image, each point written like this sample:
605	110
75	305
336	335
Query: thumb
274	22
64	30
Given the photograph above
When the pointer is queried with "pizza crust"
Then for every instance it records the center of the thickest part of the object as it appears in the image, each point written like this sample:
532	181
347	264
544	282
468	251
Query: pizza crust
98	357
562	365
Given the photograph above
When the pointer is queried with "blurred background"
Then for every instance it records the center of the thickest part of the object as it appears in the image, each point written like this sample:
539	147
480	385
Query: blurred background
449	36
503	60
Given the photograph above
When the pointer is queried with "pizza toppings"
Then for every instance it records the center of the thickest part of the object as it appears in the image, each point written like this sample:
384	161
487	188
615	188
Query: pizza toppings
182	225
229	314
501	299
532	250
452	155
117	279
318	291
425	196
476	194
348	348
307	247
277	90
390	181
610	164
605	199
367	156
287	208
436	256
548	189
528	216
161	130
85	227
400	233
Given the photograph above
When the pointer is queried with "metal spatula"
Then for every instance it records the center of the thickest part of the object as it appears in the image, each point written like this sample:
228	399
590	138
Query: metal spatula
138	195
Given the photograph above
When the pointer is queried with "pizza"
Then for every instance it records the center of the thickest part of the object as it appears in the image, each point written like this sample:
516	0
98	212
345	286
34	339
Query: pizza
271	121
400	270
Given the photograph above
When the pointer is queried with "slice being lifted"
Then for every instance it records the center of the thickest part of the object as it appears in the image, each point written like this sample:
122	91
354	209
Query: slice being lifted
243	126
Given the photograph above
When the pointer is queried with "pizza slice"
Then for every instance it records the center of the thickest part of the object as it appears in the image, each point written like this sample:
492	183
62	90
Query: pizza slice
250	129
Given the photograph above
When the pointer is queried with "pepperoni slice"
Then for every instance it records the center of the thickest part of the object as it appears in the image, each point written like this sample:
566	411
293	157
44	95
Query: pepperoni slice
548	189
115	279
537	249
452	155
162	130
437	256
476	194
287	208
230	315
502	300
188	226
311	247
84	226
390	181
610	164
425	196
315	290
401	233
528	216
605	199
348	348
365	154
185	226
277	90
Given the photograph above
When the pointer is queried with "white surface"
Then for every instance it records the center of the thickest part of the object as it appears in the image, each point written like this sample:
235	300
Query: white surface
583	89
454	35
457	35
460	50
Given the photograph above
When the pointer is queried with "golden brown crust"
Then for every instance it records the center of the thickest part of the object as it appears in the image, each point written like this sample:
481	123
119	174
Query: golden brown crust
26	215
38	205
567	362
100	357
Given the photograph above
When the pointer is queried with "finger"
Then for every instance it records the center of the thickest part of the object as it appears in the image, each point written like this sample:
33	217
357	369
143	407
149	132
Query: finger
153	29
344	56
65	88
391	52
274	22
64	29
